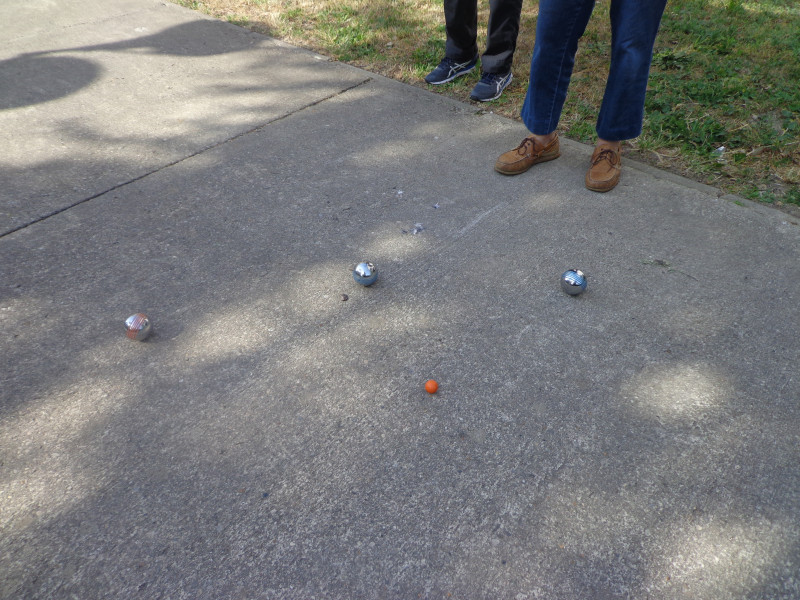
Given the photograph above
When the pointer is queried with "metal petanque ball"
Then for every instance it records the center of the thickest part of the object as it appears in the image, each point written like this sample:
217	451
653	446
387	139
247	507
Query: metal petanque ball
573	282
137	327
365	273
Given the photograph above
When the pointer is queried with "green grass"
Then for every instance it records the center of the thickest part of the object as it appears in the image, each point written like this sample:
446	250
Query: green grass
725	73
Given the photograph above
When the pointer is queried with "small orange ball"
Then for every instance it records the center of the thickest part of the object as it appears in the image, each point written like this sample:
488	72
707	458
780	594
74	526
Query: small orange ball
431	386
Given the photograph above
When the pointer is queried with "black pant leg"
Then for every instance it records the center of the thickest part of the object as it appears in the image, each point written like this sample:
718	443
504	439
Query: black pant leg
504	16
461	19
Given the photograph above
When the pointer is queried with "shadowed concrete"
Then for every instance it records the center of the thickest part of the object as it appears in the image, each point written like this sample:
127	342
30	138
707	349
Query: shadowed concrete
92	103
272	440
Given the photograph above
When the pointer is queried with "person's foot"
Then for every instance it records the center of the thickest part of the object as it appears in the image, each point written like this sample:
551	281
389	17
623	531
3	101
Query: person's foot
449	69
603	174
530	152
490	87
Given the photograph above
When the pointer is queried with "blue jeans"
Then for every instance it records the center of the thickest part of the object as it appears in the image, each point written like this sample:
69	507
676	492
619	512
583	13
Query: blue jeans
634	25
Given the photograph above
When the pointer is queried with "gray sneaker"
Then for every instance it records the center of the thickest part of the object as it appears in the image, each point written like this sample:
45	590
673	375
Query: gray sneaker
491	86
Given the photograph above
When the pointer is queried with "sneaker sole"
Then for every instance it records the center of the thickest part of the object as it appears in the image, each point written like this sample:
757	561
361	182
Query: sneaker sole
456	76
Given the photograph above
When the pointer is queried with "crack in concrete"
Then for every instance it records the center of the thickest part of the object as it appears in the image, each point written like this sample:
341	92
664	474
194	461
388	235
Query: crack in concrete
184	158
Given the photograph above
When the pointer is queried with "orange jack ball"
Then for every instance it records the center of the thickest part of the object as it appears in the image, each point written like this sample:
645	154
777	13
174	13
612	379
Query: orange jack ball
431	386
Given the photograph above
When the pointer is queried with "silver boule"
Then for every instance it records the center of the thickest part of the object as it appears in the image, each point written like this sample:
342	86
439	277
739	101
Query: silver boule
365	273
138	327
573	282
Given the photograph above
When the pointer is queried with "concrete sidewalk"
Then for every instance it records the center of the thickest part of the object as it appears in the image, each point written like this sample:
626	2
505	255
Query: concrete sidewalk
273	440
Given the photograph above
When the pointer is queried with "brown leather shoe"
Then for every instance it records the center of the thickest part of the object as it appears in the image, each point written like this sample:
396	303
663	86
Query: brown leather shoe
603	174
527	154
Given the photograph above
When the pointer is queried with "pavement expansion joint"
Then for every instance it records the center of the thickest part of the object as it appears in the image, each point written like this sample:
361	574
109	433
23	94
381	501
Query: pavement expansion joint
227	140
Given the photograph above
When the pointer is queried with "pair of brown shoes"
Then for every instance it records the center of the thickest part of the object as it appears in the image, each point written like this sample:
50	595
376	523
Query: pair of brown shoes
603	173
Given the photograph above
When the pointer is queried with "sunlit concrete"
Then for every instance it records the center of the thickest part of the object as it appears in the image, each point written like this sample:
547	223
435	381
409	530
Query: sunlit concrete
734	551
274	440
678	393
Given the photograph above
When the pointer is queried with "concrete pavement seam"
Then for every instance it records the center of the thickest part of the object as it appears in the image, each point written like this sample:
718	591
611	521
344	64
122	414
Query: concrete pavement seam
188	156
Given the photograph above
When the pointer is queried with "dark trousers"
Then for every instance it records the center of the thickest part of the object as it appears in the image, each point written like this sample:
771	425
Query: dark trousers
461	18
561	23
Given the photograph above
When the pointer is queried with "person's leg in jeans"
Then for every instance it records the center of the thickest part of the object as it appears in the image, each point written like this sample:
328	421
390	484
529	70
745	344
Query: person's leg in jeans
560	25
634	26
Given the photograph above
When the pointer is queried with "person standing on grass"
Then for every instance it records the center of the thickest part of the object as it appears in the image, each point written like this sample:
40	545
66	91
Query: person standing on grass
461	49
561	23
